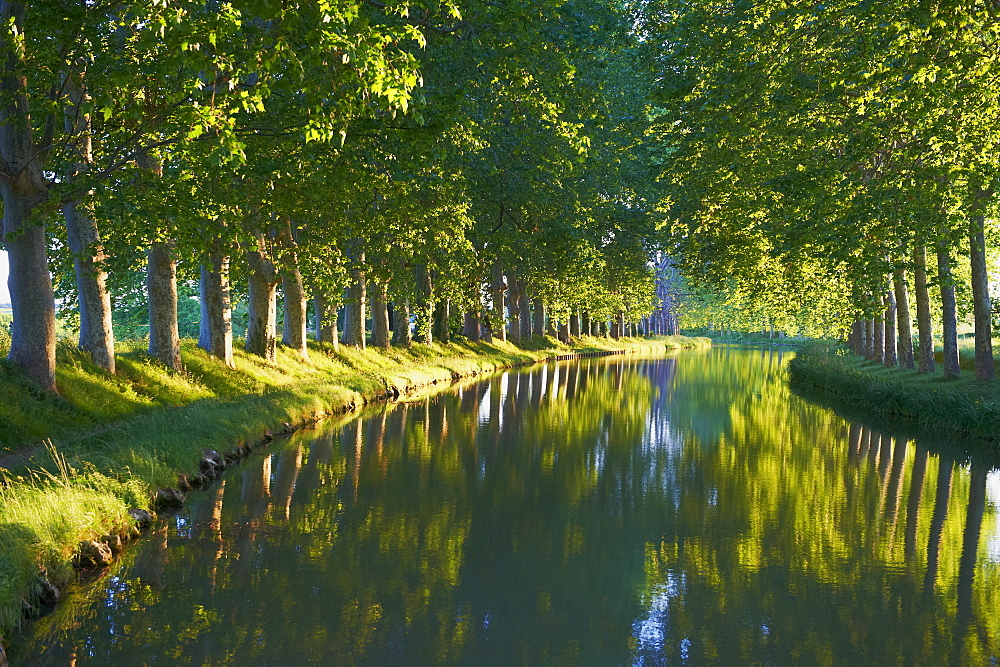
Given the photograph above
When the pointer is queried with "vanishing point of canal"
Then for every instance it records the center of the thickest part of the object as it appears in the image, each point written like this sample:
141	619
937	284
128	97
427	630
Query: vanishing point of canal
685	508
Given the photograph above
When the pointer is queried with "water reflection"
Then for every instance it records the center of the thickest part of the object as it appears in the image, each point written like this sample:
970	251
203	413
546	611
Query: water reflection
678	509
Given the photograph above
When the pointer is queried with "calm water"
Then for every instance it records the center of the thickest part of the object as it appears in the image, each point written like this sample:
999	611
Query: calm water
685	509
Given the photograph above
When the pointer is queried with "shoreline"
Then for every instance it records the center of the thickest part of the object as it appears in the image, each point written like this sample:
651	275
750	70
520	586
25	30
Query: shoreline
105	483
962	408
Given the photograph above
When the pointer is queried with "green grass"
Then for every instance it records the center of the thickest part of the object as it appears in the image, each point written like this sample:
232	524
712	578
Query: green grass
963	406
967	353
116	439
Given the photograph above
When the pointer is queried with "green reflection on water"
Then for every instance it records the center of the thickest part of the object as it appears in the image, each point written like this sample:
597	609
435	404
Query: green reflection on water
671	509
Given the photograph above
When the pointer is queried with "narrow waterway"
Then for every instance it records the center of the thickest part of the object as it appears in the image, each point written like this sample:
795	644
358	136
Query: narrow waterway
686	508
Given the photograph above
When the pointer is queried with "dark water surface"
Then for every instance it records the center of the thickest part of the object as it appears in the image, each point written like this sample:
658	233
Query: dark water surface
680	509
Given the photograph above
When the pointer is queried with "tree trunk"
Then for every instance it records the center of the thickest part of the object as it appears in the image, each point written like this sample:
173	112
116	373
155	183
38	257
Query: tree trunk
564	332
326	320
94	301
879	353
981	299
524	305
470	327
425	304
295	320
925	331
889	359
949	312
216	334
33	333
869	337
538	318
498	322
33	337
585	324
574	323
442	316
514	291
262	305
380	314
293	333
161	287
619	325
355	312
401	324
904	322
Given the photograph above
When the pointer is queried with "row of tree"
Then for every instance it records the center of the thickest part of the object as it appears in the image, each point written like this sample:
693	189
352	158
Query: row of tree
820	152
480	161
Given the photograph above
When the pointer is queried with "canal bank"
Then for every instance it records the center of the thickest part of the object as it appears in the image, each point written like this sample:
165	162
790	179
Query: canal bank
964	407
112	441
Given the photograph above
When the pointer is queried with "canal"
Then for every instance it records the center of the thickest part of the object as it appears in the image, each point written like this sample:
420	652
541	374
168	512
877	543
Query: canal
686	508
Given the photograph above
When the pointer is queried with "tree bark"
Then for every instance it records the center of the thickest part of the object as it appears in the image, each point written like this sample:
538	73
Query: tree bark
425	304
981	299
161	288
889	358
949	312
574	323
585	324
869	337
498	287
904	323
216	332
618	326
380	314
93	300
23	187
564	332
326	319
879	352
925	330
295	321
524	308
262	305
514	291
401	324
295	324
355	312
442	315
538	318
470	328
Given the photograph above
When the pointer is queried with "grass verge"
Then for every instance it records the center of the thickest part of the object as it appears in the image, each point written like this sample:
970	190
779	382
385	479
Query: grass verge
111	441
964	406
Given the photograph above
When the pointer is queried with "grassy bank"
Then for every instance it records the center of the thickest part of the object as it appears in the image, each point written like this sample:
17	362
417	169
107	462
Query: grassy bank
116	439
963	406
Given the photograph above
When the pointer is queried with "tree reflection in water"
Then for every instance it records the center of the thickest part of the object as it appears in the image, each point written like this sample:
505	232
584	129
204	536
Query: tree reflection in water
670	509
